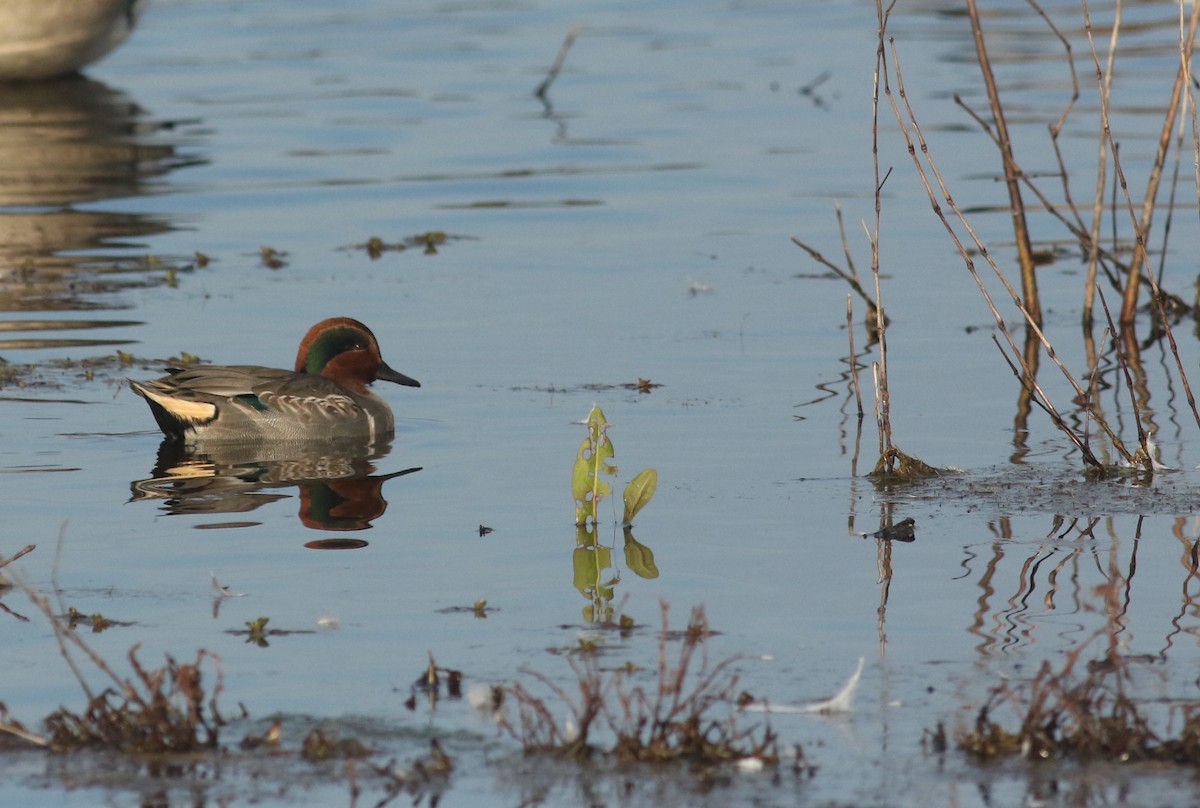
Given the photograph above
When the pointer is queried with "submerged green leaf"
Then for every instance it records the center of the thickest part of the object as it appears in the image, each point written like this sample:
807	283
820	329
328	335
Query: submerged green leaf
639	491
588	565
638	557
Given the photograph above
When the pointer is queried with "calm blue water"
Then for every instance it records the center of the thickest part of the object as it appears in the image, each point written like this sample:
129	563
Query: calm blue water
637	227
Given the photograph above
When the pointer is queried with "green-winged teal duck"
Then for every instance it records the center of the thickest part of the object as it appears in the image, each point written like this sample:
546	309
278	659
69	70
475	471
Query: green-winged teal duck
324	397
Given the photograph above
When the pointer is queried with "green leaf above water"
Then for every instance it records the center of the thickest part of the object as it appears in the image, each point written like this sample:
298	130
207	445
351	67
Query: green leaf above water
593	460
639	491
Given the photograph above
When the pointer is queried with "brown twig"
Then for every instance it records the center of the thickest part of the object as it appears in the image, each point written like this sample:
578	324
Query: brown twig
883	403
908	118
1011	172
848	276
4	562
1143	440
559	61
1186	48
1142	227
1129	304
853	358
16	730
1047	407
1104	79
837	211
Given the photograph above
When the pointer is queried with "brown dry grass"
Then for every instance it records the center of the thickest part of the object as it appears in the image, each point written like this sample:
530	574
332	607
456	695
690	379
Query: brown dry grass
690	714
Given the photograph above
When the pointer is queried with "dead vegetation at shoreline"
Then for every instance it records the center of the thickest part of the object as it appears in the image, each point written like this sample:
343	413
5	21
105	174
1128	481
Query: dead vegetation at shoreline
168	718
1083	716
690	715
1120	259
1077	712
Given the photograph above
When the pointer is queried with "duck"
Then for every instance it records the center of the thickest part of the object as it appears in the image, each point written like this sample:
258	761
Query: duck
324	397
42	40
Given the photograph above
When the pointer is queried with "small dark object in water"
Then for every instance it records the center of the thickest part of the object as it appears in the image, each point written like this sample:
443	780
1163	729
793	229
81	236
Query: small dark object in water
484	530
901	531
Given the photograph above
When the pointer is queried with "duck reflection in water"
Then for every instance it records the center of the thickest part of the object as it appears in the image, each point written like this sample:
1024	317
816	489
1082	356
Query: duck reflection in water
336	480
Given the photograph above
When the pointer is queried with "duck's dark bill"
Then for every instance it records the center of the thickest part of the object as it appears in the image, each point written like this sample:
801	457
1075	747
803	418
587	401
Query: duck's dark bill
386	374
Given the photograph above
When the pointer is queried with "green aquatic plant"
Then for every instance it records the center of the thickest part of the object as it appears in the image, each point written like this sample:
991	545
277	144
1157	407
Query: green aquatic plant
639	557
590	485
639	491
594	463
256	632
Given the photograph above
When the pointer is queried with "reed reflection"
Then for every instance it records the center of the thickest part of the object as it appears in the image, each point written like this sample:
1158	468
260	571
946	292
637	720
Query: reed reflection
1080	581
595	575
334	480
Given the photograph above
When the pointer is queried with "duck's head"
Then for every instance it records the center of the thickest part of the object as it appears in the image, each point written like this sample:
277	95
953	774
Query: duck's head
345	350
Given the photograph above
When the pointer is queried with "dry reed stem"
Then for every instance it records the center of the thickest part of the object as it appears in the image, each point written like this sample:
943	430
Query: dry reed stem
908	118
849	276
883	403
672	723
102	717
853	357
1143	439
1057	126
1129	304
29	548
559	61
1089	238
1104	80
1141	228
837	212
1186	49
850	273
1011	173
1068	214
1047	407
1189	83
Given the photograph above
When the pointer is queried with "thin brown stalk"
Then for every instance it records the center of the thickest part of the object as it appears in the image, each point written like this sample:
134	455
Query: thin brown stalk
1074	223
1104	79
909	118
1035	397
853	357
1011	172
1143	439
1058	125
848	277
559	61
1190	84
1186	49
883	404
837	210
1142	227
4	562
19	731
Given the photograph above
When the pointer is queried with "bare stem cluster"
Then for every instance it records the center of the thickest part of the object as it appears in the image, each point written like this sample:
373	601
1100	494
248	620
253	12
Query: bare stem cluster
690	714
